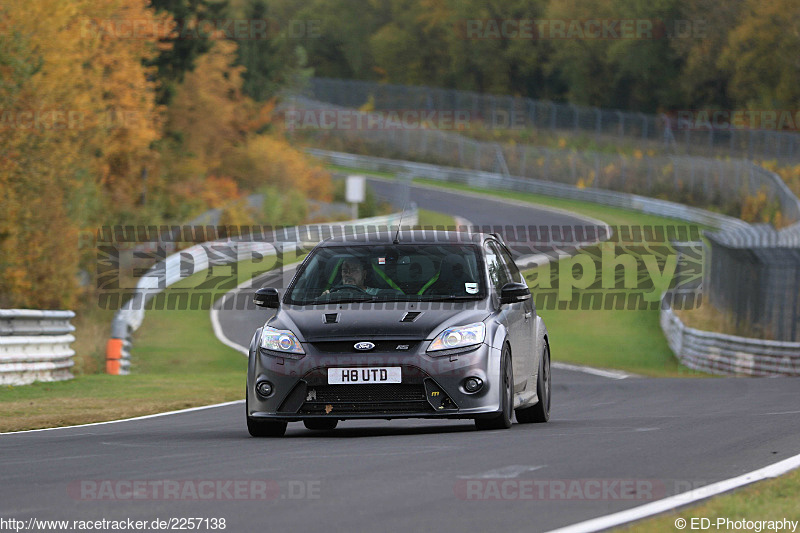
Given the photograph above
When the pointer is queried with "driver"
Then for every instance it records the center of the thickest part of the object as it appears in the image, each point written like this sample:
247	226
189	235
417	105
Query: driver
354	273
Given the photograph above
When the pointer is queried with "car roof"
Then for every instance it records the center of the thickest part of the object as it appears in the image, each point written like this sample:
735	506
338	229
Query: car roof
389	237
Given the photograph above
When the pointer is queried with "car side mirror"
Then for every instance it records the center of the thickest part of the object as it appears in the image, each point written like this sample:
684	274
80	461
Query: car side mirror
267	297
514	292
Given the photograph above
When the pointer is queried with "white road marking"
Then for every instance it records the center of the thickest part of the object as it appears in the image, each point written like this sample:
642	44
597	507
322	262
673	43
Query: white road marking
144	417
679	500
216	307
505	472
785	413
611	374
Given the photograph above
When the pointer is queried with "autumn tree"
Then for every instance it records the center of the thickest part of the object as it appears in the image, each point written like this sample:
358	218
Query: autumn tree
69	164
763	54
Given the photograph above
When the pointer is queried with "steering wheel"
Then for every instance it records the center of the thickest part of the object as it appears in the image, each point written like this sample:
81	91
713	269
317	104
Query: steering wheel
345	287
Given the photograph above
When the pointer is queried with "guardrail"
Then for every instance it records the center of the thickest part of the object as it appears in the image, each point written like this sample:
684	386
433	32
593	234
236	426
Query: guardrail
723	354
173	269
725	184
491	180
34	346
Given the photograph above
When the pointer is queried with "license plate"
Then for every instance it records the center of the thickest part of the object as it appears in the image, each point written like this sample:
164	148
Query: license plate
350	376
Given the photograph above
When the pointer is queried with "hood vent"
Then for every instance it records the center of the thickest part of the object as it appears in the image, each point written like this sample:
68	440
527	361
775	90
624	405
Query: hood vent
411	316
331	318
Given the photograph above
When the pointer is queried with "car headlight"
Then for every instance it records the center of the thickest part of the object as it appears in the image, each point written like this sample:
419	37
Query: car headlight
281	340
459	337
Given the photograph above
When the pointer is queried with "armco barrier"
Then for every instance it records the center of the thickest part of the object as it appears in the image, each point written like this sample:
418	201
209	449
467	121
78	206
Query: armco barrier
130	316
34	346
490	180
718	353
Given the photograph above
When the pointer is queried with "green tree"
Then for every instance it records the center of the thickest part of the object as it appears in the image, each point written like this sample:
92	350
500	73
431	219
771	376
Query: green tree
763	54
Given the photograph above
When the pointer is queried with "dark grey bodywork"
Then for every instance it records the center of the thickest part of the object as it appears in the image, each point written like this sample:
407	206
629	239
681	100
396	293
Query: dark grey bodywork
300	385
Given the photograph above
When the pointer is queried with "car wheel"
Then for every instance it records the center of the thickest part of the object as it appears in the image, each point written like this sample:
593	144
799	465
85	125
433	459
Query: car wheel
264	428
321	424
541	411
503	419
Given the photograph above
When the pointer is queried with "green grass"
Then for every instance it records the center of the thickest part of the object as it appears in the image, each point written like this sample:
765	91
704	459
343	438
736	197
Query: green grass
432	219
177	363
774	499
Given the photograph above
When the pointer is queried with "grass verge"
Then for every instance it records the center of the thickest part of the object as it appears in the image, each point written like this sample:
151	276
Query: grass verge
177	363
432	219
774	499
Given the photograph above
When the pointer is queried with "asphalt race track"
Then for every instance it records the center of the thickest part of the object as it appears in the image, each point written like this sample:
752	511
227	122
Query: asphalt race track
611	444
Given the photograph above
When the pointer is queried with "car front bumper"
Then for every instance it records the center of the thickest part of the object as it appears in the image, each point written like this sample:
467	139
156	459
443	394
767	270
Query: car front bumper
431	387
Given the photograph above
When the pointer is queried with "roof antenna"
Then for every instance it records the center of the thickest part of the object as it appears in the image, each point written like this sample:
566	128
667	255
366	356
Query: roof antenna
407	179
399	223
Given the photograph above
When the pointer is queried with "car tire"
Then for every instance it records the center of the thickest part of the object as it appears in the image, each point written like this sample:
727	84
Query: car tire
321	424
540	412
264	428
503	419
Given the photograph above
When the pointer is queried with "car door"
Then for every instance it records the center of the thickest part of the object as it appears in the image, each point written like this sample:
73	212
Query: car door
529	315
513	315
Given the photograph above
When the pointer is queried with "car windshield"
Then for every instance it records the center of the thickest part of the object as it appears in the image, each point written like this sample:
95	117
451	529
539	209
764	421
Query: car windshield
410	272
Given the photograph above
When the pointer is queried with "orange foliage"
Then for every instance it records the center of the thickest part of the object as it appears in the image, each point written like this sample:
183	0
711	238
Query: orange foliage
274	162
217	191
209	109
60	150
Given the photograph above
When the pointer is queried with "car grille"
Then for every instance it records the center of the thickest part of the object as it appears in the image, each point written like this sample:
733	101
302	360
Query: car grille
367	399
381	346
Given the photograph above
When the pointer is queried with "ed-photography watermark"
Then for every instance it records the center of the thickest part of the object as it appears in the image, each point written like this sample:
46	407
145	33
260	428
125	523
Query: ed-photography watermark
566	267
736	524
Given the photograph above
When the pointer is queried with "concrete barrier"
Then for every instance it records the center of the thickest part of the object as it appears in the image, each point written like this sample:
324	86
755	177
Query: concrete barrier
729	355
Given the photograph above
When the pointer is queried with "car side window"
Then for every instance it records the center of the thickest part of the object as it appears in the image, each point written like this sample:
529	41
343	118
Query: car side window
497	273
510	264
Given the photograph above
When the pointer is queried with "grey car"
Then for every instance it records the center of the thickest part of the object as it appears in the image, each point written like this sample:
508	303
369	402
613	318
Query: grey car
421	324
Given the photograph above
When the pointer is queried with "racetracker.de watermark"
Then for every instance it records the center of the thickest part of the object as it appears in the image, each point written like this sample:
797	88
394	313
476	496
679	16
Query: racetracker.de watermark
336	119
560	489
188	29
580	29
193	489
735	119
71	119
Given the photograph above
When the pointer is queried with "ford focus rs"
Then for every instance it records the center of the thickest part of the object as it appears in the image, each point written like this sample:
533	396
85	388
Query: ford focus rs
414	325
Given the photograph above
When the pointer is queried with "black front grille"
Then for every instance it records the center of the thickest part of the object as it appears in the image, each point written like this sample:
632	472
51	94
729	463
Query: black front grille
367	399
386	392
381	346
